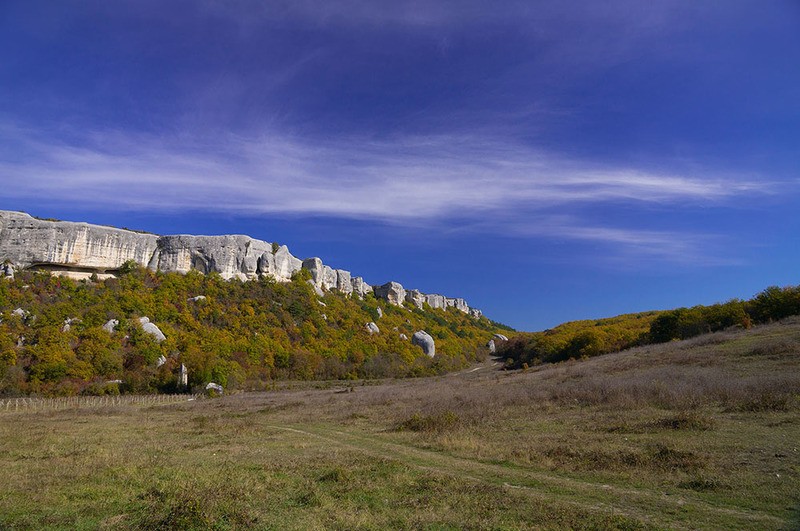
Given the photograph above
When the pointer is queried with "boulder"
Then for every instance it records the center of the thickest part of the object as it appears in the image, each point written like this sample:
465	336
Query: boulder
212	387
7	271
424	340
491	346
111	325
379	310
22	314
161	360
152	329
500	337
404	337
372	328
68	323
197	298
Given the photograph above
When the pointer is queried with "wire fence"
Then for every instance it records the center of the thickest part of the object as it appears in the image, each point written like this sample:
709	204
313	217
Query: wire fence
75	402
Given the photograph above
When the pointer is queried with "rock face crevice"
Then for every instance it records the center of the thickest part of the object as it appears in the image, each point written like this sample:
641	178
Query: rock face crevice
80	250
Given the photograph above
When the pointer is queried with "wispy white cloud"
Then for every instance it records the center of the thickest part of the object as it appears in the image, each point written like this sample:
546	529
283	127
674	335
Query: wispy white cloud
432	177
447	180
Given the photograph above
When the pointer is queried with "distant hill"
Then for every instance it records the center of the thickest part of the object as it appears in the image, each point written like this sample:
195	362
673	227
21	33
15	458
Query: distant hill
584	339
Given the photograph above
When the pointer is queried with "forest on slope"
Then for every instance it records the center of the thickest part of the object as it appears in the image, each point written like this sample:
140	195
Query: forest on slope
588	338
241	334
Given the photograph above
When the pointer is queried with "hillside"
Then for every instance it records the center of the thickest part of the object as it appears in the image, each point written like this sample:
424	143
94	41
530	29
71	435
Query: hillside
692	434
585	339
59	336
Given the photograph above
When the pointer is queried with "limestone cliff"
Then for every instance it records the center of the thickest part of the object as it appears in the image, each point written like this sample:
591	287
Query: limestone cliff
79	250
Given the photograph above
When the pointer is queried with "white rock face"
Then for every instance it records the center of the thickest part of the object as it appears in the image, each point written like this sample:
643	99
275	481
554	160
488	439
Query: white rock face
436	301
424	340
80	250
360	288
286	265
230	256
344	281
27	241
459	304
328	277
314	266
415	297
393	292
372	328
152	329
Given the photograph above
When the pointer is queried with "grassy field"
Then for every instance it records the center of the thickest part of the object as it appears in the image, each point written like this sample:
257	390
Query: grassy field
700	434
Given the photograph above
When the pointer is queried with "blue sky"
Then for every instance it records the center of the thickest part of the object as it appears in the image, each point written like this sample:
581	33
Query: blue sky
546	160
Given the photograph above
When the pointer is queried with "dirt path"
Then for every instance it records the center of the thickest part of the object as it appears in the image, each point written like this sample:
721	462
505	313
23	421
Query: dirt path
686	511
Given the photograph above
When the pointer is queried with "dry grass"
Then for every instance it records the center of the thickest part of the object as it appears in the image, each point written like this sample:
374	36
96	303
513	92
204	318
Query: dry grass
695	434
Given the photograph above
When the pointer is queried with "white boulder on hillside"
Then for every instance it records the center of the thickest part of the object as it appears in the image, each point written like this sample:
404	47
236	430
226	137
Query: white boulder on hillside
152	329
424	340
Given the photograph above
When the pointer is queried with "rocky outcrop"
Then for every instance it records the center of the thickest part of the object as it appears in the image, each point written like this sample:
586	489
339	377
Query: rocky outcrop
415	297
393	292
458	304
81	250
436	301
62	245
314	266
424	340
